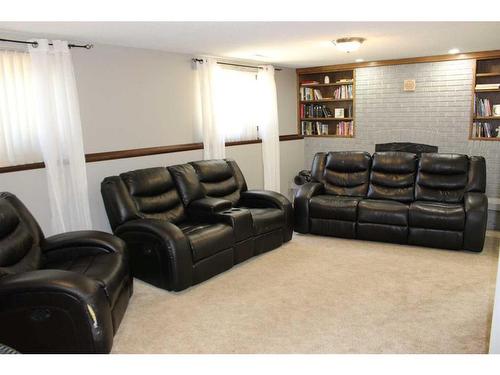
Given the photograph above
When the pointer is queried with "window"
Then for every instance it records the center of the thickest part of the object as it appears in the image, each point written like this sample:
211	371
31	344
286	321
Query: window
236	103
18	134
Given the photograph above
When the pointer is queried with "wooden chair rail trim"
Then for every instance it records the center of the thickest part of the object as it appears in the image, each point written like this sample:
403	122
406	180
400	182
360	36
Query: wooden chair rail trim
140	152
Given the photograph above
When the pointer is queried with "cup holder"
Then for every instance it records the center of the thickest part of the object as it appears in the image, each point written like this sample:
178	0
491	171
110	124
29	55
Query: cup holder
231	210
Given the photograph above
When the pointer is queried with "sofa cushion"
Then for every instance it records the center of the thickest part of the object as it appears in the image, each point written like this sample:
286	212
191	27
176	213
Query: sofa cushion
267	219
436	215
393	176
217	179
154	194
383	212
109	270
207	239
333	207
442	178
347	173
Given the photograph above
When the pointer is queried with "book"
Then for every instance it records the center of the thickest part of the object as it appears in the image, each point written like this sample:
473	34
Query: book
482	107
343	92
345	129
314	111
317	94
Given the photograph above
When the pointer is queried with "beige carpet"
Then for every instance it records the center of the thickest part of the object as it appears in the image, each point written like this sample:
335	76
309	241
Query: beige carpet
324	295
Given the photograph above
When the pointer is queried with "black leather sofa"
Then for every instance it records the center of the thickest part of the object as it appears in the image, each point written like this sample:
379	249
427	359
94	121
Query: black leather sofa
435	200
186	223
61	294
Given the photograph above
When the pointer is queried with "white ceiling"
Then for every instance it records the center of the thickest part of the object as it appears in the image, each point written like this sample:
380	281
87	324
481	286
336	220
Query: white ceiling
293	44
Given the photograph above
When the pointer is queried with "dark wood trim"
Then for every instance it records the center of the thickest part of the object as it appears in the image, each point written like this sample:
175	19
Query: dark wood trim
242	143
22	167
140	152
412	60
291	137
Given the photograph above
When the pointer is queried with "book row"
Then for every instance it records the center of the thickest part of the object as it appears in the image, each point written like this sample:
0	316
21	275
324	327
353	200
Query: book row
340	92
483	108
485	130
343	128
321	110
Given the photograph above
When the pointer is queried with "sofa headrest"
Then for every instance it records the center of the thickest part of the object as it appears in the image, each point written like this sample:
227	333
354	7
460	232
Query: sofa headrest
394	162
148	182
348	161
444	164
212	170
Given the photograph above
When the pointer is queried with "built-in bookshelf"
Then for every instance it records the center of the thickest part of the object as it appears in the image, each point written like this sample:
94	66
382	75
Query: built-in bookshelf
485	123
326	105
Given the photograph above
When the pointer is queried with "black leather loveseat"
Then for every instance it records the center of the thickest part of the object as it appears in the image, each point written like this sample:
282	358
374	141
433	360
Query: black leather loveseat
61	294
186	223
435	200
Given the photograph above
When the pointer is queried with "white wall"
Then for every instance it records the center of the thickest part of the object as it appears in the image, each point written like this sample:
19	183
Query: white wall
495	320
134	98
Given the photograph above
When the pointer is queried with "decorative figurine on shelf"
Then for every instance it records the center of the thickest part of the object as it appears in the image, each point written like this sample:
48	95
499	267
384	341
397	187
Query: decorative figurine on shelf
327	79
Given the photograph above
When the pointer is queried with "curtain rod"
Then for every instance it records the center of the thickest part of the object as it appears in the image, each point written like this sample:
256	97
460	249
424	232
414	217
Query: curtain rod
231	64
35	44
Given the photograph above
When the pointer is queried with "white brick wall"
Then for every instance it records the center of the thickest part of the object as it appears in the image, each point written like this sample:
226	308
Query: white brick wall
436	113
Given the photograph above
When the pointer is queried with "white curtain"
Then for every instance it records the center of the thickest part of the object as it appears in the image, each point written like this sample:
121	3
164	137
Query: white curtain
60	135
18	132
269	127
213	132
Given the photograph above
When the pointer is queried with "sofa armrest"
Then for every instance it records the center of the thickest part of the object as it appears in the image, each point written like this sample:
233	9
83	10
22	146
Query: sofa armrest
476	217
207	207
66	246
301	204
160	253
33	305
100	241
266	198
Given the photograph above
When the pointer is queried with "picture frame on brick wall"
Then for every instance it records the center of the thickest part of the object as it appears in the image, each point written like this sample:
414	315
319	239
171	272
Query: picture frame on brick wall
409	85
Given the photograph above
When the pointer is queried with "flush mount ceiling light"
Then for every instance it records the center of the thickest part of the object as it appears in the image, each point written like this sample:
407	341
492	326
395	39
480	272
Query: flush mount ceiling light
453	51
348	44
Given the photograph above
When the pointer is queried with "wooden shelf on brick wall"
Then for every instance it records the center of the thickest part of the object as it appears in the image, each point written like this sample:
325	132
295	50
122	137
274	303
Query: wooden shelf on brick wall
328	136
313	80
487	71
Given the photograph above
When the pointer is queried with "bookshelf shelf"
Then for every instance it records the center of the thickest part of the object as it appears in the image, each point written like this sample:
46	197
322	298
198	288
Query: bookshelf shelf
483	126
494	139
328	136
488	90
327	84
493	74
487	118
326	100
327	119
318	102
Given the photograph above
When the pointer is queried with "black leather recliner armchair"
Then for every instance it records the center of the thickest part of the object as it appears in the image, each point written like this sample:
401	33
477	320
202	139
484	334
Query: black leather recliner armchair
62	294
435	200
186	223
